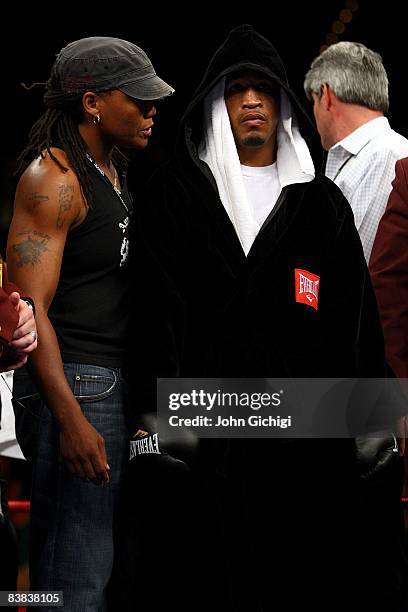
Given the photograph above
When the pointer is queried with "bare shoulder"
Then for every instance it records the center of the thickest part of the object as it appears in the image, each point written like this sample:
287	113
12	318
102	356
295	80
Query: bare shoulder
47	204
49	193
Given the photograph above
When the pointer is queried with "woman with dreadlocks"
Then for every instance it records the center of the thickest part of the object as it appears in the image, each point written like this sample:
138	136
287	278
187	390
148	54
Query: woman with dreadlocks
68	248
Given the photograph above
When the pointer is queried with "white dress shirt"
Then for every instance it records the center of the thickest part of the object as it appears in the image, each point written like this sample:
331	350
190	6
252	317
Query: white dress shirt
363	166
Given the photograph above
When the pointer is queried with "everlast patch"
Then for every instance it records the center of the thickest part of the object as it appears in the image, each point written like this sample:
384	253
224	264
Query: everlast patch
144	443
307	288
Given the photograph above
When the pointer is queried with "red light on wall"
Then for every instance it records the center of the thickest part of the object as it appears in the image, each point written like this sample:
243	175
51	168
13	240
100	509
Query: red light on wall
331	38
338	27
345	15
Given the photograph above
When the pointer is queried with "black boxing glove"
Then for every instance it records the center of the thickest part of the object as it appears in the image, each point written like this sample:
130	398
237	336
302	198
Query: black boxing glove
144	446
377	456
172	452
154	520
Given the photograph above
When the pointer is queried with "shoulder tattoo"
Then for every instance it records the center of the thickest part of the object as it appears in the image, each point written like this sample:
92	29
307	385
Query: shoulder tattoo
37	198
30	249
65	198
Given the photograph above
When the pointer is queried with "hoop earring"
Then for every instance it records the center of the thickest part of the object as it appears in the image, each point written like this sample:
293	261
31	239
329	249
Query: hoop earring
96	119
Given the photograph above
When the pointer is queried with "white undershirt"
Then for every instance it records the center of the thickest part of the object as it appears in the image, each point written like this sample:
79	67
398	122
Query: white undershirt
262	188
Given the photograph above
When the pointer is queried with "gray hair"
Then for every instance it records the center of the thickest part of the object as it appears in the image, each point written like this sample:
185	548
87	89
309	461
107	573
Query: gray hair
354	73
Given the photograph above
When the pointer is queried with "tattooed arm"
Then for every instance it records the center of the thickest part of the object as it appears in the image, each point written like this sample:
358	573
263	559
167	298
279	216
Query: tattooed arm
48	202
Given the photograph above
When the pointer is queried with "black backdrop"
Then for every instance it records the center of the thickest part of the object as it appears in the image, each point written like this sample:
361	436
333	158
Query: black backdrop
180	39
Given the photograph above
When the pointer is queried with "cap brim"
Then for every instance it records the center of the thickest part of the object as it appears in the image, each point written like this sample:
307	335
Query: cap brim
148	88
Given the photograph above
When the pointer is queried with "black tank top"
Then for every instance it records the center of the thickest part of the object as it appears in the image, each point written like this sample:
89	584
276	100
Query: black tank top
90	309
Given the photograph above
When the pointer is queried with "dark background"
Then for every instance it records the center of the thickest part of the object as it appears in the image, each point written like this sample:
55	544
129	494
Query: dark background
180	41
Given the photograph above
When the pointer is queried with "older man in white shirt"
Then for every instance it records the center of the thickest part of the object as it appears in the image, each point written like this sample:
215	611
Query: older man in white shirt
349	88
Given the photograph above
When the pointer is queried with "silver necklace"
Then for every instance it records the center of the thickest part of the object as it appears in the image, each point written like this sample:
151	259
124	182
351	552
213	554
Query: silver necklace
114	185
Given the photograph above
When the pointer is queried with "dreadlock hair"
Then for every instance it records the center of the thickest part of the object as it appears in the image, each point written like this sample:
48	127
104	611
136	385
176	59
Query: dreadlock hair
58	126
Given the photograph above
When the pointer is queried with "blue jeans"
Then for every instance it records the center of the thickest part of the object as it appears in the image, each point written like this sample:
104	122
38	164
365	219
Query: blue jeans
71	548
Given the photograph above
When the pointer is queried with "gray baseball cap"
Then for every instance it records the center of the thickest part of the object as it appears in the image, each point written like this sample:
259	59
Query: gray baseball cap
100	63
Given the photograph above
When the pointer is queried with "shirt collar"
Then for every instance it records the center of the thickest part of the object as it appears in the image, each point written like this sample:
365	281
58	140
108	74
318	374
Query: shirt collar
354	142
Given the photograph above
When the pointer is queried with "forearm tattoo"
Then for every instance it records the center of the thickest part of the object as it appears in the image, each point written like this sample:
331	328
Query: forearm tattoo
30	249
66	195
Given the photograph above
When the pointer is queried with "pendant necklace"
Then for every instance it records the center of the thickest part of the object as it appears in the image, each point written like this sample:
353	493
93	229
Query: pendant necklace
114	184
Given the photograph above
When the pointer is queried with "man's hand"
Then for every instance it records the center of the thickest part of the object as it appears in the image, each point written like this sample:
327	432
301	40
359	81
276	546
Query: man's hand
83	449
25	337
